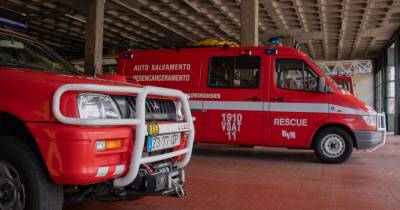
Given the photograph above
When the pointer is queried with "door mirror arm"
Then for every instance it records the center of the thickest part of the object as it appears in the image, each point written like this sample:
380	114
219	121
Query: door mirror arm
323	87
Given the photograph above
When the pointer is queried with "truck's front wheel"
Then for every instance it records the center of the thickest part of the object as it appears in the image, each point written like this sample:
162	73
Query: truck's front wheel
333	145
24	182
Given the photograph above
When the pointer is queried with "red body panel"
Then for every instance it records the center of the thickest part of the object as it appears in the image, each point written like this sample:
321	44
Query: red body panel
68	151
252	114
345	81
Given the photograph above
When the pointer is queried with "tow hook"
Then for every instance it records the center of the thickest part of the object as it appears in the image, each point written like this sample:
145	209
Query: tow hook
180	192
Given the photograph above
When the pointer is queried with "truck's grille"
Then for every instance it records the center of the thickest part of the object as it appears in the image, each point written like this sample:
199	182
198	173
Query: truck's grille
156	109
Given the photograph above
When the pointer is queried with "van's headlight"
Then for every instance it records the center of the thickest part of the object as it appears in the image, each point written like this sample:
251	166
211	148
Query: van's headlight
179	113
370	120
97	106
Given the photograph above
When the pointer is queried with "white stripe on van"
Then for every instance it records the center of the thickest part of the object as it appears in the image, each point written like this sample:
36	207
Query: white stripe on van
275	107
233	105
299	107
196	104
346	110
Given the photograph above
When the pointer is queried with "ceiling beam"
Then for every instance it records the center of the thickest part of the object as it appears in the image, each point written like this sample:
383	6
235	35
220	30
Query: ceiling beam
148	18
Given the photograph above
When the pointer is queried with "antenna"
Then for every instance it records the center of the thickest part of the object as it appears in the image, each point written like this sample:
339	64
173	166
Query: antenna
297	45
131	44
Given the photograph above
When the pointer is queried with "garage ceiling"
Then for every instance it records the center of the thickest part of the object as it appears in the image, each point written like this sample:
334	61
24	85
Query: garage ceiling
326	29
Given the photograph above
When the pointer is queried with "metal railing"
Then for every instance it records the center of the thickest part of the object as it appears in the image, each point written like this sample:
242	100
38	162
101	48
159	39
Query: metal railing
381	127
139	122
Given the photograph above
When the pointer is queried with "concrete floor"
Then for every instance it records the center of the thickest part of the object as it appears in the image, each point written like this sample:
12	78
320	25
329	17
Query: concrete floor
224	177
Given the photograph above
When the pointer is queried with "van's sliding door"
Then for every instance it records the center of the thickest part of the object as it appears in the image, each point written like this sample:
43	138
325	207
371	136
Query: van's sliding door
235	106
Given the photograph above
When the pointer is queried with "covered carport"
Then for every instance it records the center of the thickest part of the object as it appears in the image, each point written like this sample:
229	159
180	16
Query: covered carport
341	34
339	31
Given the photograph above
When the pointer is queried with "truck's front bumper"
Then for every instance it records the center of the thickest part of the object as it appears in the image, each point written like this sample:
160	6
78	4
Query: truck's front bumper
70	152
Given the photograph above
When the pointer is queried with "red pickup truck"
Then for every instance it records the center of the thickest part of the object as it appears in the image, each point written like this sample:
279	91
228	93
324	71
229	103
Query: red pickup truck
61	131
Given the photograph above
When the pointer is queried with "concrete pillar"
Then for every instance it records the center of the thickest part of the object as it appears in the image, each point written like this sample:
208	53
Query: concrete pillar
94	37
397	84
249	23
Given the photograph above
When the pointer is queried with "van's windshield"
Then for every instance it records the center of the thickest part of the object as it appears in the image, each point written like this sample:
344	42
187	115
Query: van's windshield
326	73
18	52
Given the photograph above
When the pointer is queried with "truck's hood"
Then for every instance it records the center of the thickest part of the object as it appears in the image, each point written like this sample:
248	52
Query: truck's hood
57	78
28	94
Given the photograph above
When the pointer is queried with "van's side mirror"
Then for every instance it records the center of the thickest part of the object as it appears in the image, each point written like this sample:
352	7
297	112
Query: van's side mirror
322	87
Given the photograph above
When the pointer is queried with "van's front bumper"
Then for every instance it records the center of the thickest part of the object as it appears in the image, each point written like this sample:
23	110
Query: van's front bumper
368	139
372	140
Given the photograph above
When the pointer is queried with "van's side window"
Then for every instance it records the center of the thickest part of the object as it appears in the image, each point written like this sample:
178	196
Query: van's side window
234	72
295	74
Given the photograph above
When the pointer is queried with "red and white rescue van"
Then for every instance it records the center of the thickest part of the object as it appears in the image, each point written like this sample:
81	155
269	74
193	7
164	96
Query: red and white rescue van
271	96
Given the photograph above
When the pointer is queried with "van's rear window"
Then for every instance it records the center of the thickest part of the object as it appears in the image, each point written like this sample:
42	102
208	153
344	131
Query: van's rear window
234	72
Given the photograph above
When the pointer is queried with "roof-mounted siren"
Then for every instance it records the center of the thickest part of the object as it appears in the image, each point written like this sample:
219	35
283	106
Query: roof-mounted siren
127	55
12	24
246	53
275	41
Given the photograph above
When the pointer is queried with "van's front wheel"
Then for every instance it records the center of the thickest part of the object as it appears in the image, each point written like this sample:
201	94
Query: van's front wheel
333	145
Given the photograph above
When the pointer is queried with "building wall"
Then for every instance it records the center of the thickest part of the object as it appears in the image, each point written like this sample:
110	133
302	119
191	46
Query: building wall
364	88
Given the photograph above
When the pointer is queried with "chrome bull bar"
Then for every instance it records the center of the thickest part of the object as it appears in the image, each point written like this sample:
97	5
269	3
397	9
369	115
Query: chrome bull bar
139	122
381	127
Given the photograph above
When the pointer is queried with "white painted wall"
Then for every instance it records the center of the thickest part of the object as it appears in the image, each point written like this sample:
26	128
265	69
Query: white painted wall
364	88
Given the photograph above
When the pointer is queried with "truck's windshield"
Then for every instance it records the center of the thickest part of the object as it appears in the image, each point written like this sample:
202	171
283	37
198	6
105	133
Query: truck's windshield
16	51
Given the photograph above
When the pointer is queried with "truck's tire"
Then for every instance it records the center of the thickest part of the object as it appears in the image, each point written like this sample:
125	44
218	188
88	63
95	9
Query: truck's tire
333	145
24	179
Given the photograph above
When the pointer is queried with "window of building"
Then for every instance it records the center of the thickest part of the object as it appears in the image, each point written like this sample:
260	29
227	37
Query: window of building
389	86
234	72
378	88
295	74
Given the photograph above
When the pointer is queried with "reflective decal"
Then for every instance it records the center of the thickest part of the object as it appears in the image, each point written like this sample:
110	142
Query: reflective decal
162	67
153	129
205	95
284	107
288	134
161	77
291	122
230	124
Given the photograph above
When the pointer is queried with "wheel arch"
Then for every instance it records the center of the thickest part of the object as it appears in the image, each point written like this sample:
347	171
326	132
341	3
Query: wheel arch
338	125
10	125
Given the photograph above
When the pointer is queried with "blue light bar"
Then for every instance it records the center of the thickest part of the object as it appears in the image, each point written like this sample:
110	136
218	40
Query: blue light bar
271	51
274	41
13	24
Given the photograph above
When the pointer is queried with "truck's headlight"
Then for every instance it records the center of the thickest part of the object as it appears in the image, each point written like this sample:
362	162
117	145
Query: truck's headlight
97	106
370	120
179	113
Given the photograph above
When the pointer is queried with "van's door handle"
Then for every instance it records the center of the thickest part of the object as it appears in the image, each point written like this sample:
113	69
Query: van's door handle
278	99
254	98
